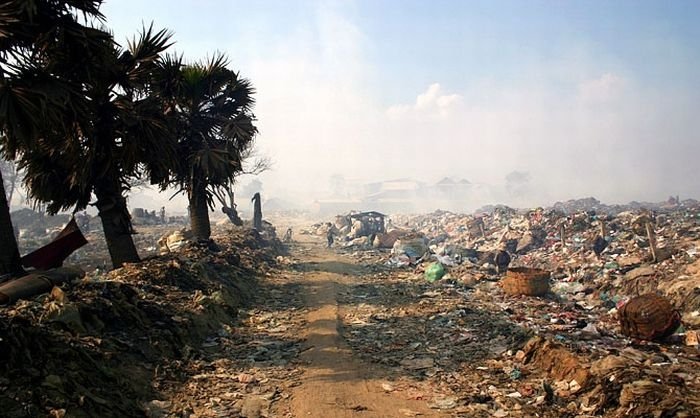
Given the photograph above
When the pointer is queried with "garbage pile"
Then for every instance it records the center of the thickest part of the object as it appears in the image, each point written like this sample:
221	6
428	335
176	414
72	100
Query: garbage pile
355	229
34	228
594	258
93	345
471	349
371	231
608	302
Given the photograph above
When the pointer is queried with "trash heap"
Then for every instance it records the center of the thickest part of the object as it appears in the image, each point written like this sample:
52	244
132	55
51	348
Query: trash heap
594	258
598	313
34	228
355	229
94	345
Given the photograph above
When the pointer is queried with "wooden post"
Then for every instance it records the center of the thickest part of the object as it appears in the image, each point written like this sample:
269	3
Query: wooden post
481	228
652	241
602	228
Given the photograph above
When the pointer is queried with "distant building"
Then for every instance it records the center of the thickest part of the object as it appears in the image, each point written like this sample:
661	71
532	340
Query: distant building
451	188
393	196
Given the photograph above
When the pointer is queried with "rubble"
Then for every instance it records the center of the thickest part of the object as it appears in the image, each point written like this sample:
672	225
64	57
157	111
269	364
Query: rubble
475	343
423	303
398	319
106	344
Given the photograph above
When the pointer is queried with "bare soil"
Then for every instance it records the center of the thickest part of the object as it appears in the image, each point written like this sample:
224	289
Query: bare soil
335	383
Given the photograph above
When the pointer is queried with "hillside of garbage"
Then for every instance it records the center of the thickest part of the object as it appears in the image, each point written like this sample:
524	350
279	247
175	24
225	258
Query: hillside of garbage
572	310
97	344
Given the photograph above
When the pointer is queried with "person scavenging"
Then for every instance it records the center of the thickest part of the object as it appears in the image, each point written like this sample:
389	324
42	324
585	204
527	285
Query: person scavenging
329	234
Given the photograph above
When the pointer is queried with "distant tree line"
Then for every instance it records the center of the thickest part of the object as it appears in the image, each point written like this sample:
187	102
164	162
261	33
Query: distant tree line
86	119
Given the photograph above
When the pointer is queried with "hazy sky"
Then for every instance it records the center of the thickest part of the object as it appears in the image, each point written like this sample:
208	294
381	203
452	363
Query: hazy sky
592	98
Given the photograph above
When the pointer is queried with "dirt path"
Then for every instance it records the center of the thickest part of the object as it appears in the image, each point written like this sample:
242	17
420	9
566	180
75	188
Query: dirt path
334	334
287	356
334	383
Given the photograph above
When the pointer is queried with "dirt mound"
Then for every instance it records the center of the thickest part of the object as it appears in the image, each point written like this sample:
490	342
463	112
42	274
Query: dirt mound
558	362
94	348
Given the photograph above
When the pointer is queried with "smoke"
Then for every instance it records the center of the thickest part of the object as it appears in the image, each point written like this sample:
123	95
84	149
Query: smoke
575	123
578	129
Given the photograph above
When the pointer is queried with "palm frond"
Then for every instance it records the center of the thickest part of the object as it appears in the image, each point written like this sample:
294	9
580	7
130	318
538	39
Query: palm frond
149	45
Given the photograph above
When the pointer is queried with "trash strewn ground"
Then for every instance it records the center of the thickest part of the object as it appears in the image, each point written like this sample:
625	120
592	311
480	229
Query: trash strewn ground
563	354
410	317
249	367
100	346
491	354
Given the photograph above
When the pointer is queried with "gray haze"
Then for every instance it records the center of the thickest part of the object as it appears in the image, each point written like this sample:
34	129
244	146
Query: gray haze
582	109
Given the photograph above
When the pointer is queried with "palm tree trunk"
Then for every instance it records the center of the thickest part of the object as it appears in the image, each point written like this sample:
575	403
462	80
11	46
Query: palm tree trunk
199	213
116	223
12	184
9	255
11	192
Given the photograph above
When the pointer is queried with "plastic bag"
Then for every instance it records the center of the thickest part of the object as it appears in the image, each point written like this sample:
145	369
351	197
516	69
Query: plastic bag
434	272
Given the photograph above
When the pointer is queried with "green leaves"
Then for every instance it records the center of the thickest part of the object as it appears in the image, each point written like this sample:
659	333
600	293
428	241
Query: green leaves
212	107
144	52
78	109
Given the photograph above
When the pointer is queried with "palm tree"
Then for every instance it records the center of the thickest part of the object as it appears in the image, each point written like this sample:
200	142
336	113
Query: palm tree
212	109
78	113
119	135
9	256
32	39
9	261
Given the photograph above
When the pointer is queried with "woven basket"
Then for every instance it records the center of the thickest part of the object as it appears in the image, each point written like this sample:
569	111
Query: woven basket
526	281
649	317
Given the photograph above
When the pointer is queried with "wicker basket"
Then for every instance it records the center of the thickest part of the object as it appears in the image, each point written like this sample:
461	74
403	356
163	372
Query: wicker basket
526	281
649	317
